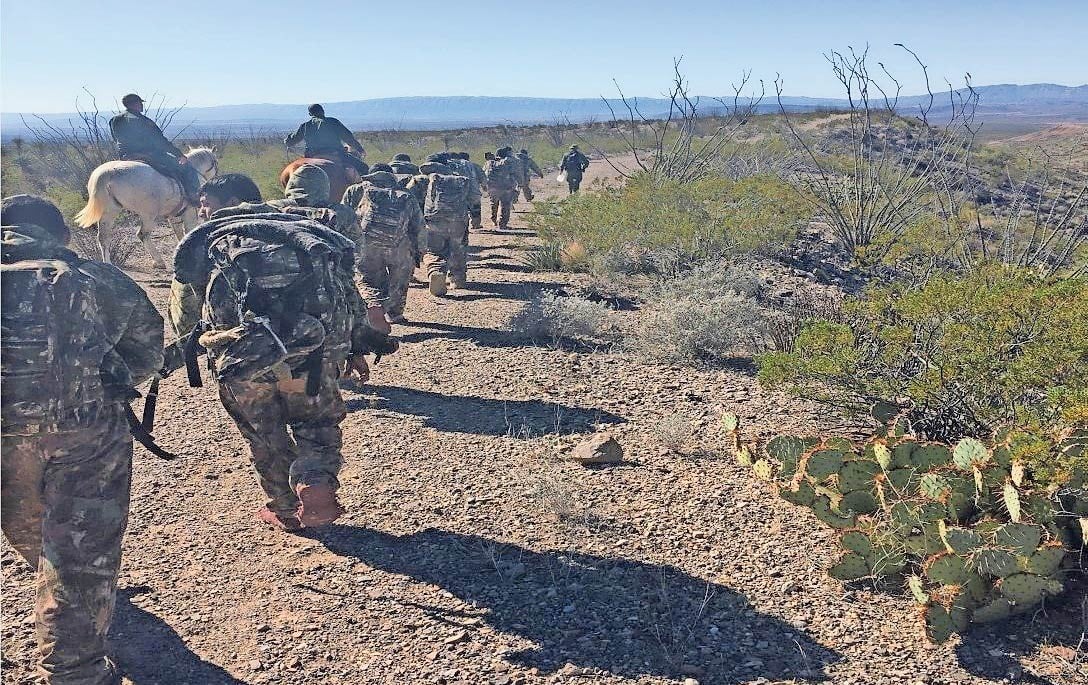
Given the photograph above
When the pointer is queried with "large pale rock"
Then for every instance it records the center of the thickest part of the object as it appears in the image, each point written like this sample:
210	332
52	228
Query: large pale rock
601	448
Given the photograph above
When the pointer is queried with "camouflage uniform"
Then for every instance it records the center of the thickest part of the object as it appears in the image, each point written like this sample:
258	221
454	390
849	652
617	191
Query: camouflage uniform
502	188
294	438
445	244
476	178
528	165
66	478
386	258
308	188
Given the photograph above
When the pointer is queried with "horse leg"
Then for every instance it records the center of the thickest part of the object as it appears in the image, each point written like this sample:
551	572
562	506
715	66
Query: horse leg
185	223
144	234
105	231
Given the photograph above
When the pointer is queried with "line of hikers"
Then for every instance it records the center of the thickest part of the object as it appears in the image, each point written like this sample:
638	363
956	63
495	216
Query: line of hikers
285	298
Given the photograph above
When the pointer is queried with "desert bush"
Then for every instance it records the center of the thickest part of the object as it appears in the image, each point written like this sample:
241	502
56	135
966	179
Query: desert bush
686	222
964	354
557	318
709	313
975	531
123	244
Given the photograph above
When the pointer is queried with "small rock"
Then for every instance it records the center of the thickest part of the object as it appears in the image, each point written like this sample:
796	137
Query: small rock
255	665
601	448
459	636
690	681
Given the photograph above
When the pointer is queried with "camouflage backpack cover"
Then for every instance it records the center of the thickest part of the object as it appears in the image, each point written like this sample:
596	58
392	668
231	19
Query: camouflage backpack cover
275	295
382	215
52	345
502	173
447	197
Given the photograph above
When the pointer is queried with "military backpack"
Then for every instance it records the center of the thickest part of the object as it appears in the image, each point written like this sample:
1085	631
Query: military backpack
382	214
53	345
447	197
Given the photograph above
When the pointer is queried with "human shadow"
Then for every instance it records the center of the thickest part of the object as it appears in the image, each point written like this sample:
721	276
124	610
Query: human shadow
496	265
150	652
631	618
1064	624
486	337
481	416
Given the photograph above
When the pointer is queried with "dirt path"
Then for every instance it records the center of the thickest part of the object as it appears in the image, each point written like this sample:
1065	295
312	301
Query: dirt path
474	553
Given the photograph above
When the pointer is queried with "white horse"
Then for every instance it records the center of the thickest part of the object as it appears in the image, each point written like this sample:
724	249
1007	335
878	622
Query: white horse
137	187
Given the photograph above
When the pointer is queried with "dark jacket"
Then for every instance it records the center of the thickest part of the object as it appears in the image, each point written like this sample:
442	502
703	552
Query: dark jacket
574	163
137	135
323	136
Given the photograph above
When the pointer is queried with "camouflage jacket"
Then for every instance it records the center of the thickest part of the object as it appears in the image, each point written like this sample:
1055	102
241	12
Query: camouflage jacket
410	220
308	189
529	164
136	134
132	328
463	167
574	163
502	174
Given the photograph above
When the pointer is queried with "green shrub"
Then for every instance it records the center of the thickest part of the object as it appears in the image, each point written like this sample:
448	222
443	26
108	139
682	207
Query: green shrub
964	353
687	223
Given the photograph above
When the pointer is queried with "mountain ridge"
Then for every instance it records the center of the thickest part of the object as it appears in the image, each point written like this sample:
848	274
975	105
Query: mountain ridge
435	112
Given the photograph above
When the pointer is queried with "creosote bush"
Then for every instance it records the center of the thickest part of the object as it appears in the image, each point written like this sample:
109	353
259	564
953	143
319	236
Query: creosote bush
964	353
555	318
690	222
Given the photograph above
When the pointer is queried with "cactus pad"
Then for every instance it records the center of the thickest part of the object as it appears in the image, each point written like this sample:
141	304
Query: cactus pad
935	487
856	541
821	506
917	588
763	470
886	561
947	569
1025	589
823	464
994	562
960	540
1019	537
931	456
858	502
1044	562
997	610
730	422
939	624
882	455
803	495
970	453
1012	501
850	567
744	456
858	475
787	450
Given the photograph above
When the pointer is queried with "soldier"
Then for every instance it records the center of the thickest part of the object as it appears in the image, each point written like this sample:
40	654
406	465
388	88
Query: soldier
227	190
459	162
574	164
139	138
475	211
325	137
389	225
446	215
78	336
502	187
282	322
308	187
528	165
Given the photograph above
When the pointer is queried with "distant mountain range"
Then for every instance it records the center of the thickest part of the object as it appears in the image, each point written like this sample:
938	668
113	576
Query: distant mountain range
1041	101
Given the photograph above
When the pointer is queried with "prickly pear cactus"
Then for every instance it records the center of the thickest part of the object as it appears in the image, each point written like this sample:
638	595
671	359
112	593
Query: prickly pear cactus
964	527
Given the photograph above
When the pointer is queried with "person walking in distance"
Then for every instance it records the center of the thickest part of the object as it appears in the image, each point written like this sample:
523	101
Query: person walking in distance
574	165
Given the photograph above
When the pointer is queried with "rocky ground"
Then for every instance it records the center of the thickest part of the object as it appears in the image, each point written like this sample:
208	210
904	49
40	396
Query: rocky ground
476	551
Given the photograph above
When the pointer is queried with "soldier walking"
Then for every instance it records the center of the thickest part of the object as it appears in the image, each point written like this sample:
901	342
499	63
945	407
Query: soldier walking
528	165
574	164
78	336
502	187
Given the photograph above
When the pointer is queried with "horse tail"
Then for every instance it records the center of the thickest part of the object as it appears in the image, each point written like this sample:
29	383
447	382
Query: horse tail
98	198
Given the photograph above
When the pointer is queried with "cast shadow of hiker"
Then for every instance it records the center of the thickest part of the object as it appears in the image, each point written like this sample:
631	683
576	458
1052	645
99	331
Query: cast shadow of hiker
480	415
631	618
151	653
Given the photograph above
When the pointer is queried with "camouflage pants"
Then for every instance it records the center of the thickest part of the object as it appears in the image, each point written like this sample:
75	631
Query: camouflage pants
475	216
65	508
294	439
526	191
574	182
384	274
502	201
446	249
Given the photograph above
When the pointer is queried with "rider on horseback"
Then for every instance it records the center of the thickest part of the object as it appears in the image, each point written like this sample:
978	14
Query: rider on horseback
140	139
325	137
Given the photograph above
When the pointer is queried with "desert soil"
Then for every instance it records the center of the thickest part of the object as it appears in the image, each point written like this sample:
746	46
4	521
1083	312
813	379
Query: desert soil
475	551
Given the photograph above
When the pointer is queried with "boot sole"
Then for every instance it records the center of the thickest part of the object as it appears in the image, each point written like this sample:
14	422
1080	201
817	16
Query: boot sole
318	506
437	284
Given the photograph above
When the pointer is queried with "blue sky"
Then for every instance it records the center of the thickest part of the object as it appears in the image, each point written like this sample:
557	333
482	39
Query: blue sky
204	52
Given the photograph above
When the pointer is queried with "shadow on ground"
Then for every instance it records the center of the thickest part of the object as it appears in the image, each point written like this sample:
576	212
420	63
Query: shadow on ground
486	337
151	653
630	618
994	652
481	416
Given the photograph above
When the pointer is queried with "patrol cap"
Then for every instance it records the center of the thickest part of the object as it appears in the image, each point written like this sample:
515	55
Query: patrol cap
131	99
